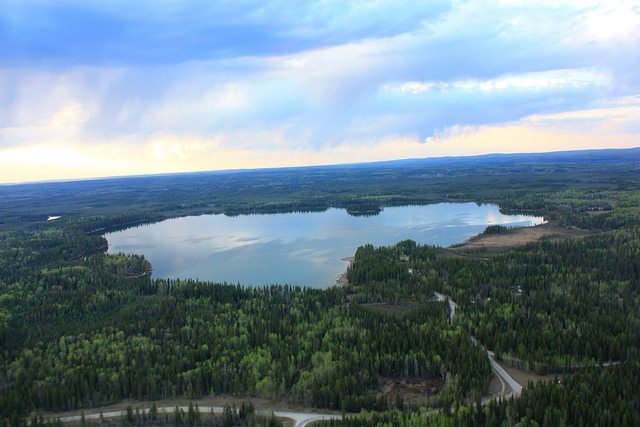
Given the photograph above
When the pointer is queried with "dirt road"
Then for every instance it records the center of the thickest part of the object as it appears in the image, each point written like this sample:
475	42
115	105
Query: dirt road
516	388
299	419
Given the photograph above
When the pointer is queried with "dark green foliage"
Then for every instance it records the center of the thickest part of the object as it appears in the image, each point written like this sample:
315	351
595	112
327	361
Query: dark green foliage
389	274
80	329
496	229
517	182
193	339
117	336
555	304
596	397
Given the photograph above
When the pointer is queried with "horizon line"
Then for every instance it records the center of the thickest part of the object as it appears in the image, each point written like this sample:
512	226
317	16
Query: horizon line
272	168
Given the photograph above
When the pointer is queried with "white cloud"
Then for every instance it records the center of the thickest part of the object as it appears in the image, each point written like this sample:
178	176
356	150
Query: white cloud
544	80
380	83
609	127
611	22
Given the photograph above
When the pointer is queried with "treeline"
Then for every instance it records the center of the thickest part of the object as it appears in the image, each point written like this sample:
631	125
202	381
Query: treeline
518	181
597	397
389	274
93	332
592	207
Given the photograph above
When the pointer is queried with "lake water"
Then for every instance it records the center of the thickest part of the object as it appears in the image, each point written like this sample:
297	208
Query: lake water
296	248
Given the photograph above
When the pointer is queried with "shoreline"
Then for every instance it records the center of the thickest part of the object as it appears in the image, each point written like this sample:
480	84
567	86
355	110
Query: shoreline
536	232
341	280
481	235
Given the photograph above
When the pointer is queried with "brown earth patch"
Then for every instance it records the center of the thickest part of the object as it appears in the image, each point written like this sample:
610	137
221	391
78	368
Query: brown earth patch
412	391
519	237
497	387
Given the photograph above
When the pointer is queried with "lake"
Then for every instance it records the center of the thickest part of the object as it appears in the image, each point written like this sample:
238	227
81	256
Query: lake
296	248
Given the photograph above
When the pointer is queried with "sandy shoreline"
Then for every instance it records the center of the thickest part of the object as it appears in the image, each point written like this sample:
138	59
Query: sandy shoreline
342	278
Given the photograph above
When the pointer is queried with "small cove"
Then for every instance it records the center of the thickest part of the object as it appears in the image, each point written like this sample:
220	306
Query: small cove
304	249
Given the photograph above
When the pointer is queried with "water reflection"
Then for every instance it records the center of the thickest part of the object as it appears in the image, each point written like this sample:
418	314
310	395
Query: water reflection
296	248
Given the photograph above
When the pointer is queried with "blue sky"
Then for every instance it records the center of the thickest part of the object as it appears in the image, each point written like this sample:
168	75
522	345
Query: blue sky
99	88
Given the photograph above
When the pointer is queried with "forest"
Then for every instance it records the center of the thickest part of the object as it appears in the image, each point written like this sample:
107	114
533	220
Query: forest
81	329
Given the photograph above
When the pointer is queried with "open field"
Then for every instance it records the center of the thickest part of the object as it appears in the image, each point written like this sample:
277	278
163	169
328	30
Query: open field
520	237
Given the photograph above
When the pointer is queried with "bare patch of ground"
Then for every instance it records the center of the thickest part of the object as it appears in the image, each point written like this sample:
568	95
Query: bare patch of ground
497	389
519	237
412	391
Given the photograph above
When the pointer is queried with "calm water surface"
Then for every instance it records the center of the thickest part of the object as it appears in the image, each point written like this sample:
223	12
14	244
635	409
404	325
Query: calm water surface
296	248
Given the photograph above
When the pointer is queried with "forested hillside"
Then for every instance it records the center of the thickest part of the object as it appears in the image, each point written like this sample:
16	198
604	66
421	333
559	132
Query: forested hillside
81	329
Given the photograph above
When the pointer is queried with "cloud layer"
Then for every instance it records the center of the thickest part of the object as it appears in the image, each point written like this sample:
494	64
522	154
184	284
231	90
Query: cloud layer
93	88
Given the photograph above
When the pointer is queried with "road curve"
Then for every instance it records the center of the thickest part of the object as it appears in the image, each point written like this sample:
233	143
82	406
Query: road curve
301	419
504	375
495	366
452	305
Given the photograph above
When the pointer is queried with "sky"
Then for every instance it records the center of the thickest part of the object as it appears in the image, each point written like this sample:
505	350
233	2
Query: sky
104	88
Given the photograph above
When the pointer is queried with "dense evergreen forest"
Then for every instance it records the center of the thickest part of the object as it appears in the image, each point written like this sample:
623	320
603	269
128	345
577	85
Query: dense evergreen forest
594	397
81	329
